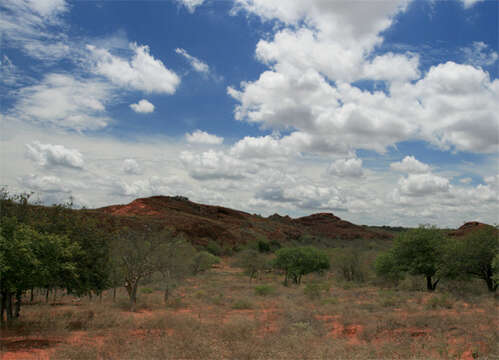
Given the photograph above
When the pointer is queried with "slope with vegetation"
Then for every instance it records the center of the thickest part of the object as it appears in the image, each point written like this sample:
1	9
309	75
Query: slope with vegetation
161	255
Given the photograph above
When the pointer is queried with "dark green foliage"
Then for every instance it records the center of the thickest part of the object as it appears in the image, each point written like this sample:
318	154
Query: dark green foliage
214	248
32	259
203	261
264	290
417	252
263	246
386	266
274	245
495	268
299	261
474	256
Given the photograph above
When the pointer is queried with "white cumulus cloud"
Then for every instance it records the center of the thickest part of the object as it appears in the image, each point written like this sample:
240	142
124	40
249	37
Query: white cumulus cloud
140	72
410	165
131	167
423	184
212	164
48	155
202	137
48	184
346	167
143	107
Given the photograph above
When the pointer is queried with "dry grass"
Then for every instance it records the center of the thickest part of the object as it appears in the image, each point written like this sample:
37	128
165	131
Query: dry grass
219	315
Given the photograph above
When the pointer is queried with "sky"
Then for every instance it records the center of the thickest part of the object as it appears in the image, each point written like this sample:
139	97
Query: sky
384	112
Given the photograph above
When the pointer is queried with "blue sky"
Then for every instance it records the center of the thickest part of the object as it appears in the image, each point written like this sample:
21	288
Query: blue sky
382	112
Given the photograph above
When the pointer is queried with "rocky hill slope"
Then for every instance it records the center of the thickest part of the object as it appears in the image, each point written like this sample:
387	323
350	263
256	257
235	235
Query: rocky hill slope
205	223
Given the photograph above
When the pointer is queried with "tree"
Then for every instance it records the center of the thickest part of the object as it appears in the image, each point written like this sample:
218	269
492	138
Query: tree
417	252
300	261
474	256
136	253
252	262
203	261
32	259
144	252
495	268
175	262
348	262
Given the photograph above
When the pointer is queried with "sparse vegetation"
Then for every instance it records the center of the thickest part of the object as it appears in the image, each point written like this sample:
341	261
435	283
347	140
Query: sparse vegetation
212	313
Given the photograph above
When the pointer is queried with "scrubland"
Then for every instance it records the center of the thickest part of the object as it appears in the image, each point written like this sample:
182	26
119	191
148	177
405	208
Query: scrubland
219	314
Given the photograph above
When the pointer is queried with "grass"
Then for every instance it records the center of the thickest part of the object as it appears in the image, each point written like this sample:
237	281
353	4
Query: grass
321	319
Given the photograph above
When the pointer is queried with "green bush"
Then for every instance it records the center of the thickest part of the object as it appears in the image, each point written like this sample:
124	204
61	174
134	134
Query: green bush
264	290
242	304
300	261
263	246
274	245
146	290
214	248
203	261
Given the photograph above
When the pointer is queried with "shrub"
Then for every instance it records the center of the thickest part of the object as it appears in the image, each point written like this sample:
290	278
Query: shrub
242	304
263	246
264	290
203	261
252	262
315	290
274	245
214	248
349	265
146	290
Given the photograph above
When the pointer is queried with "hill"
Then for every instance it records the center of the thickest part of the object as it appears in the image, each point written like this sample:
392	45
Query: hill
468	228
205	223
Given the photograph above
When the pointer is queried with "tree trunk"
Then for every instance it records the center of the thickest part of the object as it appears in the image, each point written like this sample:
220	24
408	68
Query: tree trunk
286	279
55	295
9	306
431	286
131	288
3	306
100	297
166	294
114	294
32	296
19	294
47	295
491	284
